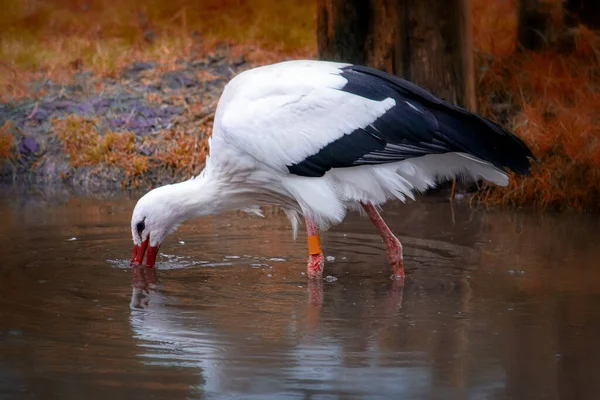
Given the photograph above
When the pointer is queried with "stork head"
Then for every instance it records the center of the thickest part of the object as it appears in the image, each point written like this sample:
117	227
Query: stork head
154	217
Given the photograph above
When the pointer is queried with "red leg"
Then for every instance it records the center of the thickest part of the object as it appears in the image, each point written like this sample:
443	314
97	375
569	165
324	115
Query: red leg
316	261
392	244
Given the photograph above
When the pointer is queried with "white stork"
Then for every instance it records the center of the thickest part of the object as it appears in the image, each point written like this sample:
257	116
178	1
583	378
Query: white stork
319	138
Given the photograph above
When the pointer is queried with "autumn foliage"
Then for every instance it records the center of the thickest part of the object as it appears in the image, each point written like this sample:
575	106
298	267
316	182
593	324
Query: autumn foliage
6	141
551	100
174	152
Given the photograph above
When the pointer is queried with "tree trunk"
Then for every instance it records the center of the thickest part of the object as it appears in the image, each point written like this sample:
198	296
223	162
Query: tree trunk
428	42
586	12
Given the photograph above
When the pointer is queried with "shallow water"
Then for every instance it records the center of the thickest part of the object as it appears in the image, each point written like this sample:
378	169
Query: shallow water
495	305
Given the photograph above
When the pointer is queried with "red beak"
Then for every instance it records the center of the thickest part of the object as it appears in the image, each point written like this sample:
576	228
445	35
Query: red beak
139	251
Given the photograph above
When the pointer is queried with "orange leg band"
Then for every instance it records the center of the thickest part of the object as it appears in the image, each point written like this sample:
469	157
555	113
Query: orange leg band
314	245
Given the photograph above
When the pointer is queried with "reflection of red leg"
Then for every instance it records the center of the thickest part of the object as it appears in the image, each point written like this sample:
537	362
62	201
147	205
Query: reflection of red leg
394	300
316	261
392	244
151	278
315	301
315	293
138	280
141	281
142	284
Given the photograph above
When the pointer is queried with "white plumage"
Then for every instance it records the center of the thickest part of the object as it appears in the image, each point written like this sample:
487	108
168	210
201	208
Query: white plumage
319	138
278	115
290	111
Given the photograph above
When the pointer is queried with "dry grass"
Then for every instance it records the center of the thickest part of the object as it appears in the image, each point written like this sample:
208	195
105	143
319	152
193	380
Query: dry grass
552	101
6	141
181	152
176	152
55	38
85	146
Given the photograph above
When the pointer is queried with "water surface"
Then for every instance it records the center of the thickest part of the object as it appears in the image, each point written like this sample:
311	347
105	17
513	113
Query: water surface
496	305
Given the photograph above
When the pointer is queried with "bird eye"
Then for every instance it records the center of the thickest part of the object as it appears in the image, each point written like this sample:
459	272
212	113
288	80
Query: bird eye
140	227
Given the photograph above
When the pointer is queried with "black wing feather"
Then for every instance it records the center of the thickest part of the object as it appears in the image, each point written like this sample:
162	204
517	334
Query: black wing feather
419	124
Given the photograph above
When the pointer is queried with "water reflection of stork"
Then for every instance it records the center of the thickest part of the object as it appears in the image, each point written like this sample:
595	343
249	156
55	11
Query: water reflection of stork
309	362
367	350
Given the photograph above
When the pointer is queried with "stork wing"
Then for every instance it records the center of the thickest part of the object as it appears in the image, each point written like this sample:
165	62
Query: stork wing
306	117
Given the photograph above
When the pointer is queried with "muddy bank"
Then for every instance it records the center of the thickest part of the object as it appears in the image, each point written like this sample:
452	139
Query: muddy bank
145	127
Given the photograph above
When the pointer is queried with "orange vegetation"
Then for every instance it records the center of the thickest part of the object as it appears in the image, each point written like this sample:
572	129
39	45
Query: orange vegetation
55	38
6	141
552	101
87	147
175	151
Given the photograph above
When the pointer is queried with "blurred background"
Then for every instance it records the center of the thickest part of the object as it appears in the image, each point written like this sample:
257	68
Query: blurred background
531	65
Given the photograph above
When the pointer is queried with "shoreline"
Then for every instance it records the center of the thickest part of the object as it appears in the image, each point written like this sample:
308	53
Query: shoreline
147	127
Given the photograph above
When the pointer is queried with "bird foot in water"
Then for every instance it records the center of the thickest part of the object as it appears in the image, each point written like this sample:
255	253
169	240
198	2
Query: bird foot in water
398	273
394	256
316	263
